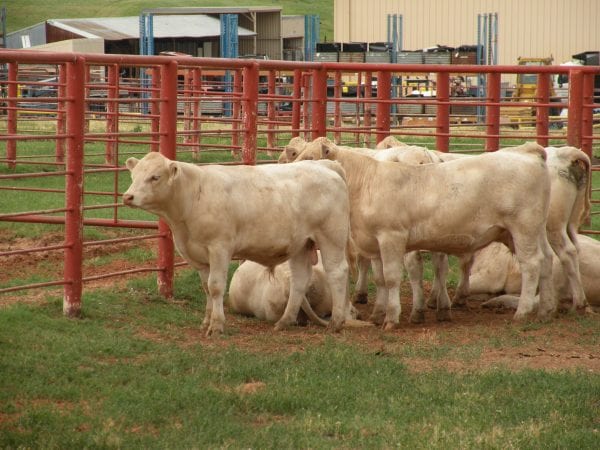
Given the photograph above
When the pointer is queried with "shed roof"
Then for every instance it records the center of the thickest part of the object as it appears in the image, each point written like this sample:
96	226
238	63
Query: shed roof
164	26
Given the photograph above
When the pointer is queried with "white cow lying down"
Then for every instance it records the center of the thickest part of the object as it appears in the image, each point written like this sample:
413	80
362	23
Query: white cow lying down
496	271
268	214
258	291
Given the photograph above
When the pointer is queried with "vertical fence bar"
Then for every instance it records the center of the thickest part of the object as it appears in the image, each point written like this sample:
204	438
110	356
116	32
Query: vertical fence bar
542	115
168	147
187	106
271	111
384	87
154	106
357	106
112	114
306	104
250	107
492	116
75	110
575	108
442	137
297	92
587	125
197	124
337	107
319	103
11	114
59	150
367	107
237	111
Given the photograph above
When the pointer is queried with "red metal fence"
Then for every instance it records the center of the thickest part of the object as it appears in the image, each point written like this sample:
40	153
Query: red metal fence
69	121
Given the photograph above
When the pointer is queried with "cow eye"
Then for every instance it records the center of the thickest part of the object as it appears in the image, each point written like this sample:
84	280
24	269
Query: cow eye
155	178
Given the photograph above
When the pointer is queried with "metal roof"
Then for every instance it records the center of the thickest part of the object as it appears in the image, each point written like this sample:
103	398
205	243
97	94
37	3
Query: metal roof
168	26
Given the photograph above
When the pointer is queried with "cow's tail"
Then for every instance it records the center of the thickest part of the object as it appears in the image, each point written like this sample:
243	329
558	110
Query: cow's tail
311	314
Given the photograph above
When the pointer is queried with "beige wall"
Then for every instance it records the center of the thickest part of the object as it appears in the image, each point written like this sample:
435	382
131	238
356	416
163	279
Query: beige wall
534	28
95	45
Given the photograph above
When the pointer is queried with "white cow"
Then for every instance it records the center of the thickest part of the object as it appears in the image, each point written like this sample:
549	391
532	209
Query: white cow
268	214
258	291
496	271
570	176
456	207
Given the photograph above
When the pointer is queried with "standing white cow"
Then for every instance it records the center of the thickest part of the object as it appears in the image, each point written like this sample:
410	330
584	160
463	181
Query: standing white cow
268	214
456	207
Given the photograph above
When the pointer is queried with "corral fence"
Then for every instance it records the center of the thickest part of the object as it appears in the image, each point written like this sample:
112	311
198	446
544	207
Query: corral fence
69	121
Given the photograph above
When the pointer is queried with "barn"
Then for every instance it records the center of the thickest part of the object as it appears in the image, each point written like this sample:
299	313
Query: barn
532	28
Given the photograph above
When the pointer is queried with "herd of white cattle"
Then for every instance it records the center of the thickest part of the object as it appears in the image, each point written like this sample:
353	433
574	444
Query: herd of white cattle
511	217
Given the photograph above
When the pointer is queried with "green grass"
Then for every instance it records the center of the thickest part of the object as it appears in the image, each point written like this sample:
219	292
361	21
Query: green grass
24	13
135	373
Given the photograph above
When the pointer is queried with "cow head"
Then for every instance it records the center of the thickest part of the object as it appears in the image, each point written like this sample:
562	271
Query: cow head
152	178
292	150
320	148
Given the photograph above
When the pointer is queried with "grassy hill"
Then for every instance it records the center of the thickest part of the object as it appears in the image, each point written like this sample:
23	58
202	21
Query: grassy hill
24	13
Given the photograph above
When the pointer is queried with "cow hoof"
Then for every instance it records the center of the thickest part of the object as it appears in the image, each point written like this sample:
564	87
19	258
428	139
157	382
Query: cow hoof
546	315
432	304
460	303
377	319
335	326
443	315
417	317
361	298
521	317
389	326
281	325
215	330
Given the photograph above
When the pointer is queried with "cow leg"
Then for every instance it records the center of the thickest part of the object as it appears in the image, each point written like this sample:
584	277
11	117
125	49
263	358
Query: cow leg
381	296
392	249
204	272
361	291
530	255
465	263
300	274
216	285
567	254
548	303
414	267
439	293
336	270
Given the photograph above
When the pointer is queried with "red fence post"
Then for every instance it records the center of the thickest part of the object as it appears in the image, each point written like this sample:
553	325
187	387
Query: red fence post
319	103
271	110
250	109
384	88
306	104
112	114
59	150
442	138
367	106
155	121
543	112
492	116
587	126
337	107
75	110
297	89
168	147
237	109
11	115
575	118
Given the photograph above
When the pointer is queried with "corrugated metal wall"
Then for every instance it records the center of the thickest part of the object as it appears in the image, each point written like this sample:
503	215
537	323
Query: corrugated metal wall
534	28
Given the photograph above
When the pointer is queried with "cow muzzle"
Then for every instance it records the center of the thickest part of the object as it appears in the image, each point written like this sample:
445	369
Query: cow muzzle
128	199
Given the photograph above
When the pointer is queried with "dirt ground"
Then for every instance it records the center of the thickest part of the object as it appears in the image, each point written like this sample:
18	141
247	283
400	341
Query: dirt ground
475	339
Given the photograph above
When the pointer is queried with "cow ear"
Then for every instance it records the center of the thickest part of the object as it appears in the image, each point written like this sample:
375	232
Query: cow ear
325	150
131	163
290	153
173	171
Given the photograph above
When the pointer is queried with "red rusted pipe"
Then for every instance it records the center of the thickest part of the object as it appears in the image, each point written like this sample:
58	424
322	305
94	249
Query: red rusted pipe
587	125
492	116
575	108
384	88
112	119
271	109
237	111
367	106
75	108
155	108
443	112
168	147
319	104
11	114
297	93
337	107
249	108
542	113
60	113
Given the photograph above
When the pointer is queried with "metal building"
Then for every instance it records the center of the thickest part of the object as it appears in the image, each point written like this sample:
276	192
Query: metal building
527	28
